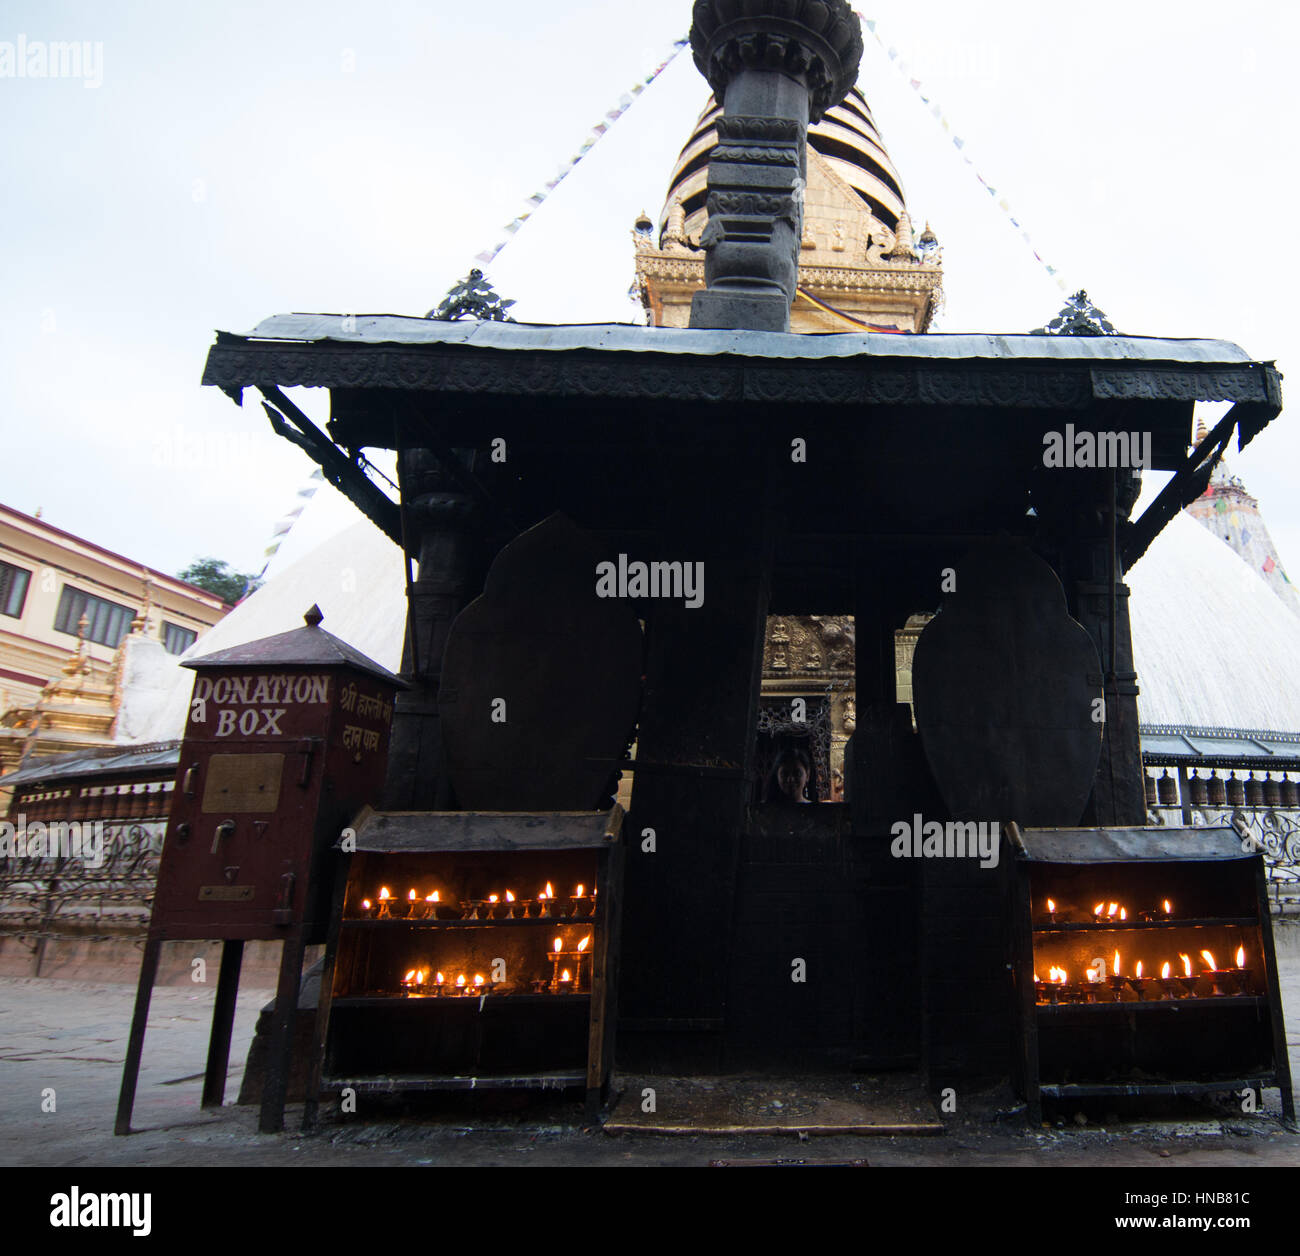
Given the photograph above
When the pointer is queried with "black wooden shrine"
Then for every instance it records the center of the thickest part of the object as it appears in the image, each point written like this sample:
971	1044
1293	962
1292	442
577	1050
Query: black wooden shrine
924	456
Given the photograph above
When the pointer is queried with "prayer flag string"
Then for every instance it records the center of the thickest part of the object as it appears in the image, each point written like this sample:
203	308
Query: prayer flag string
959	143
600	129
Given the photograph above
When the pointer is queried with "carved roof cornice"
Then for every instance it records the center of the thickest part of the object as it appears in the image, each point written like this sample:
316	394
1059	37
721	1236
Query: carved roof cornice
886	277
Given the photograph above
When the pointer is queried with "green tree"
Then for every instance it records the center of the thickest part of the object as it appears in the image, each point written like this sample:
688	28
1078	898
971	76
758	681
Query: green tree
216	577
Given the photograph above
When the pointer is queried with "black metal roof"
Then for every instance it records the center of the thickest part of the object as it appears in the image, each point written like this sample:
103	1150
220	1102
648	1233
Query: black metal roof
1255	749
157	759
659	363
1135	845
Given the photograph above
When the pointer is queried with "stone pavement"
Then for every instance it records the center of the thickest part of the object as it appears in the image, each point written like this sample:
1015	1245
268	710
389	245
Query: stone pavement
70	1037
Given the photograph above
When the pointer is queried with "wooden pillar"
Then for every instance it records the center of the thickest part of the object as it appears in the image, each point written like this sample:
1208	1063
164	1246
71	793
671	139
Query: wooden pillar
443	529
694	776
1084	522
1119	795
885	789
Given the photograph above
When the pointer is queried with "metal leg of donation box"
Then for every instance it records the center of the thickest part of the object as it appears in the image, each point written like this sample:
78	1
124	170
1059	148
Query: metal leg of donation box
280	1046
135	1043
223	1019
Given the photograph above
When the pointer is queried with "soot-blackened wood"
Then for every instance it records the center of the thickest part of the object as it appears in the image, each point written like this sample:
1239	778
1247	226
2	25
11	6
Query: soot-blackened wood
451	542
810	889
1024	1047
700	707
1119	792
604	980
1077	539
1281	1054
394	831
325	995
886	782
965	953
541	679
1005	686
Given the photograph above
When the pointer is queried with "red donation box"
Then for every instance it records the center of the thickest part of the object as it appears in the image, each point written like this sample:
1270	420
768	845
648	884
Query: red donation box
286	740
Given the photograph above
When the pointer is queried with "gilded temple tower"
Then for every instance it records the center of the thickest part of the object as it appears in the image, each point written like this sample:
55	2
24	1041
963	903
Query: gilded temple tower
861	264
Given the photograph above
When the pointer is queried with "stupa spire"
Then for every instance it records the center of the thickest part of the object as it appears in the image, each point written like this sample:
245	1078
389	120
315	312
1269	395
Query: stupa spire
775	65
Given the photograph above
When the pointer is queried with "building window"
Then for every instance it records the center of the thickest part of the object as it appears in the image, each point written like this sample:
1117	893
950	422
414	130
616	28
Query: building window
177	640
13	589
107	622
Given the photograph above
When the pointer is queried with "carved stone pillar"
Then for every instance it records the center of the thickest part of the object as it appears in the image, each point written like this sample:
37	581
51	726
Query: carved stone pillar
776	66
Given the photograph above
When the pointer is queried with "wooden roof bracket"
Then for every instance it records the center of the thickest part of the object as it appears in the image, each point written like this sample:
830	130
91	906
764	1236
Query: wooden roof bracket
1249	418
337	468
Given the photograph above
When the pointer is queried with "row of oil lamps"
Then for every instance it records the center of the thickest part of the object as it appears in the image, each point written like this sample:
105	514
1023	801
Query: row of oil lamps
570	974
1098	981
1109	911
494	907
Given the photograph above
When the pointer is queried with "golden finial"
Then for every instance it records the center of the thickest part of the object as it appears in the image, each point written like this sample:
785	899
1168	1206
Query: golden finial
140	624
904	249
675	232
78	663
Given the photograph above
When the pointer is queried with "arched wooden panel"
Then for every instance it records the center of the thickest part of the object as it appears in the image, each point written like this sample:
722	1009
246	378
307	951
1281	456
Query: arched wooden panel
541	679
1004	683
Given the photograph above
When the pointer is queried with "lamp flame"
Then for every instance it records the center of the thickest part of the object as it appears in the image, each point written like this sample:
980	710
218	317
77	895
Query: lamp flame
432	898
1115	970
1241	957
1137	972
582	946
410	896
1164	971
579	892
559	946
494	898
550	893
384	893
1187	964
510	898
1169	911
460	980
564	976
1101	907
479	979
1209	959
1051	906
365	904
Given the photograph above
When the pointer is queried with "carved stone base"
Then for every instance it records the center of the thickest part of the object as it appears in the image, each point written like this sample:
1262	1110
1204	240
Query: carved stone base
757	311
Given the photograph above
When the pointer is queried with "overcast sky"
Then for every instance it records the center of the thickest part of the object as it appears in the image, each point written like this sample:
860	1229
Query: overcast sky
214	165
